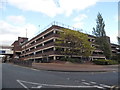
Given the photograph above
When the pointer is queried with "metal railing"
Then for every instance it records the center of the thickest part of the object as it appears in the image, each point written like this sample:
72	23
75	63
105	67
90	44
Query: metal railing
61	25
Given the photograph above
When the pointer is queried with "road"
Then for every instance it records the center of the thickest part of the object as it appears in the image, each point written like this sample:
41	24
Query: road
22	77
0	76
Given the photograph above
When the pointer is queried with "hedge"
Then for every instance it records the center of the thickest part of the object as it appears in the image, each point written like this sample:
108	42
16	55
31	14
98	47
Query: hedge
71	60
105	62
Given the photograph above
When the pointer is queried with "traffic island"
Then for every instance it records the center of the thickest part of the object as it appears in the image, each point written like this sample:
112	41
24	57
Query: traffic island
71	67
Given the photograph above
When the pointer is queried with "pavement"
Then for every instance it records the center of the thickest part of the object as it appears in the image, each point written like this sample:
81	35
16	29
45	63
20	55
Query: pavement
70	67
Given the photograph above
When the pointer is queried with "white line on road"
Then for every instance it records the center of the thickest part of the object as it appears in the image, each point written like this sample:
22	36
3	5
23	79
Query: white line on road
98	85
22	84
37	87
35	69
50	85
83	80
86	83
93	82
103	85
68	78
77	81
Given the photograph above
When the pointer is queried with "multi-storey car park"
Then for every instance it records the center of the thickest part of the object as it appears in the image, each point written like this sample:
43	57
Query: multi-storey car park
43	48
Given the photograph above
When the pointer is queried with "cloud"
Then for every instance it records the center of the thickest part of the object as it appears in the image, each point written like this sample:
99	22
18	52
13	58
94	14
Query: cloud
71	5
113	35
16	19
52	7
118	33
3	4
80	17
109	0
78	25
47	7
9	33
79	21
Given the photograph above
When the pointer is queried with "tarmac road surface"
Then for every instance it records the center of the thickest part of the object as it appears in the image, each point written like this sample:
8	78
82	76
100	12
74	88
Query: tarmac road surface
14	76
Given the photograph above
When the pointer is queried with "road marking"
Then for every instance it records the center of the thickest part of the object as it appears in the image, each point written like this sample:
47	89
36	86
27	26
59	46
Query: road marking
86	83
35	69
99	87
37	87
93	82
103	85
68	78
50	85
76	81
22	84
83	80
114	71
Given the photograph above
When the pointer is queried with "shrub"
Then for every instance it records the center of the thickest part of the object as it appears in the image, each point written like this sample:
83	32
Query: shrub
111	62
73	60
63	59
105	62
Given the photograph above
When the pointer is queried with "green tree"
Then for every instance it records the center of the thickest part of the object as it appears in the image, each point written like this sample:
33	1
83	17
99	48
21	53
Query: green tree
72	42
101	39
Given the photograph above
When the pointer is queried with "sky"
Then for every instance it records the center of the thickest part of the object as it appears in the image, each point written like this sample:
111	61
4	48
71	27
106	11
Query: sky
19	16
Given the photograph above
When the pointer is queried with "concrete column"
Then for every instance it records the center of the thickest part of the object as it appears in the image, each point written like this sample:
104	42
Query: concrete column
54	31
42	44
54	39
54	58
54	48
42	51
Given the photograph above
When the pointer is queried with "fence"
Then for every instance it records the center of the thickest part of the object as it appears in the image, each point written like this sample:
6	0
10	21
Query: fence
61	25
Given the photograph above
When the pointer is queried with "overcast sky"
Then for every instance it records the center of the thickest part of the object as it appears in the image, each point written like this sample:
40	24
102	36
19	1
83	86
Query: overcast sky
18	15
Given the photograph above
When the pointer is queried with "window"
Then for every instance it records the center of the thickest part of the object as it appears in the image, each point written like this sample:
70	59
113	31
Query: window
47	50
23	51
2	51
27	50
57	32
93	40
89	40
31	54
32	42
39	39
39	52
38	45
50	41
32	48
50	33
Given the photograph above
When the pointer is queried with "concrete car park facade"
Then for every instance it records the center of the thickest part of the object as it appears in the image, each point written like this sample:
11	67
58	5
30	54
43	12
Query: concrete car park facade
42	47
